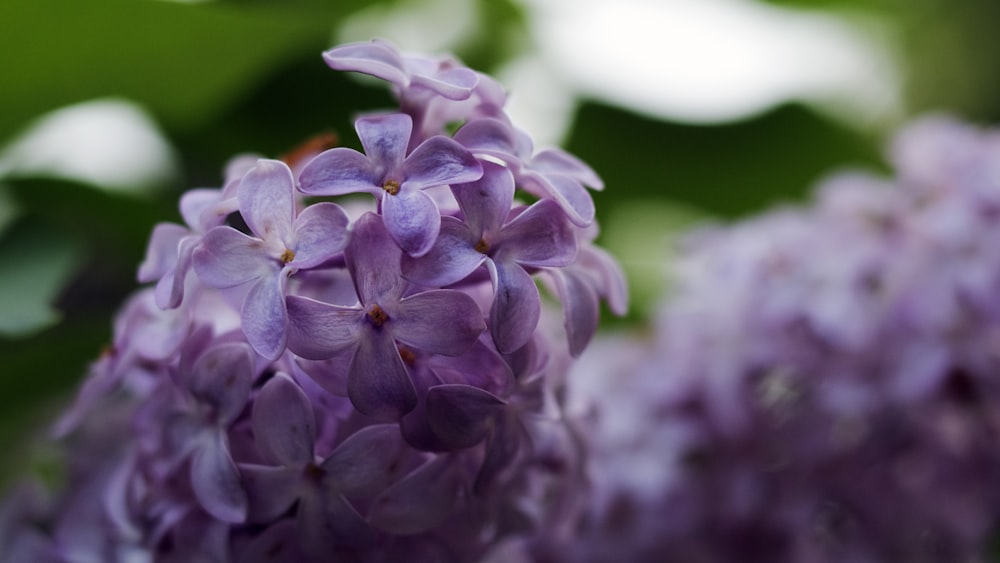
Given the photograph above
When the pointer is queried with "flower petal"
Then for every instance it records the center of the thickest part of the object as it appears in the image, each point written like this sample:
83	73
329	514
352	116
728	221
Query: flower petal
581	311
461	415
170	289
452	83
557	161
505	448
161	252
571	196
278	544
222	378
516	306
318	330
376	58
480	366
378	385
441	321
373	260
340	171
540	236
368	461
270	490
439	161
487	201
216	481
195	205
413	220
385	138
327	521
267	202
320	234
227	258
450	259
264	317
488	135
284	427
419	502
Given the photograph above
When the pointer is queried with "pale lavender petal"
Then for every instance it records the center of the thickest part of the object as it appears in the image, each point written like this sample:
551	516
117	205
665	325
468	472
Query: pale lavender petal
572	197
413	220
170	289
270	490
487	201
613	286
320	234
195	203
556	161
419	502
461	415
368	461
318	330
451	259
439	161
264	317
228	258
161	252
377	58
541	236
581	311
340	171
516	306
222	377
267	202
378	385
216	481
488	135
384	138
284	427
440	321
373	260
453	83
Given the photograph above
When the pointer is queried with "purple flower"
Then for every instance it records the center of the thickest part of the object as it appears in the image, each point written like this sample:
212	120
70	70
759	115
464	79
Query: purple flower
283	245
397	179
539	236
438	321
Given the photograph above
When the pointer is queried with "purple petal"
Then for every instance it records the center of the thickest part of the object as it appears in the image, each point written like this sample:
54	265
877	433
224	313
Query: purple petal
556	161
581	311
487	201
318	330
453	83
451	259
504	449
384	138
378	385
613	285
170	289
267	202
413	220
320	234
540	236
227	258
328	521
216	481
270	490
283	423
480	366
439	161
373	260
368	461
161	253
264	318
572	197
440	321
461	415
195	208
277	544
340	171
376	58
420	501
488	135
222	377
516	306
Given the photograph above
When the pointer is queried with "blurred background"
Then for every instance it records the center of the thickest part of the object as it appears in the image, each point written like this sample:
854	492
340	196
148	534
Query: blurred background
691	111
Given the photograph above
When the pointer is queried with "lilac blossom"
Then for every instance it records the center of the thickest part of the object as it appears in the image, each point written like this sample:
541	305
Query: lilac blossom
285	243
398	179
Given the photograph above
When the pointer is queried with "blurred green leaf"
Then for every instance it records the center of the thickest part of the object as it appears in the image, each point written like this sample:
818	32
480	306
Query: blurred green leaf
183	61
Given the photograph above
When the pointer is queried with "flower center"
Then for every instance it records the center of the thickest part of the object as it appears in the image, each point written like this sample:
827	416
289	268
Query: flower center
287	256
481	247
314	472
391	187
407	355
377	315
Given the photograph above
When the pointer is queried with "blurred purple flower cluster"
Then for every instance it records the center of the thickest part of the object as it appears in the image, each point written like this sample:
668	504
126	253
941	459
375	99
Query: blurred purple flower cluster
823	384
309	383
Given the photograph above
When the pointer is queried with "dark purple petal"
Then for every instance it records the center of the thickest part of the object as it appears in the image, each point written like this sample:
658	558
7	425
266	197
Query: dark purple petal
487	201
419	502
216	481
556	161
451	259
384	138
540	236
326	521
505	447
278	544
516	306
413	220
228	258
581	311
571	196
161	253
377	58
378	385
440	321
373	260
283	423
318	330
439	161
267	204
270	490
340	171
222	377
320	234
264	317
461	415
368	461
480	366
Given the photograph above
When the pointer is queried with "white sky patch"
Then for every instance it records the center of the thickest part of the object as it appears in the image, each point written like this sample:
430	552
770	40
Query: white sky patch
110	143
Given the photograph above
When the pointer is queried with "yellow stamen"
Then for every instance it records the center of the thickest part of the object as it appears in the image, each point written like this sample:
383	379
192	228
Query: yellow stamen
391	187
377	315
481	247
287	256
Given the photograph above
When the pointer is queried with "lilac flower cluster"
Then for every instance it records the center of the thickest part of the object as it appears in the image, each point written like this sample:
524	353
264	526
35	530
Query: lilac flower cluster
822	385
309	383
